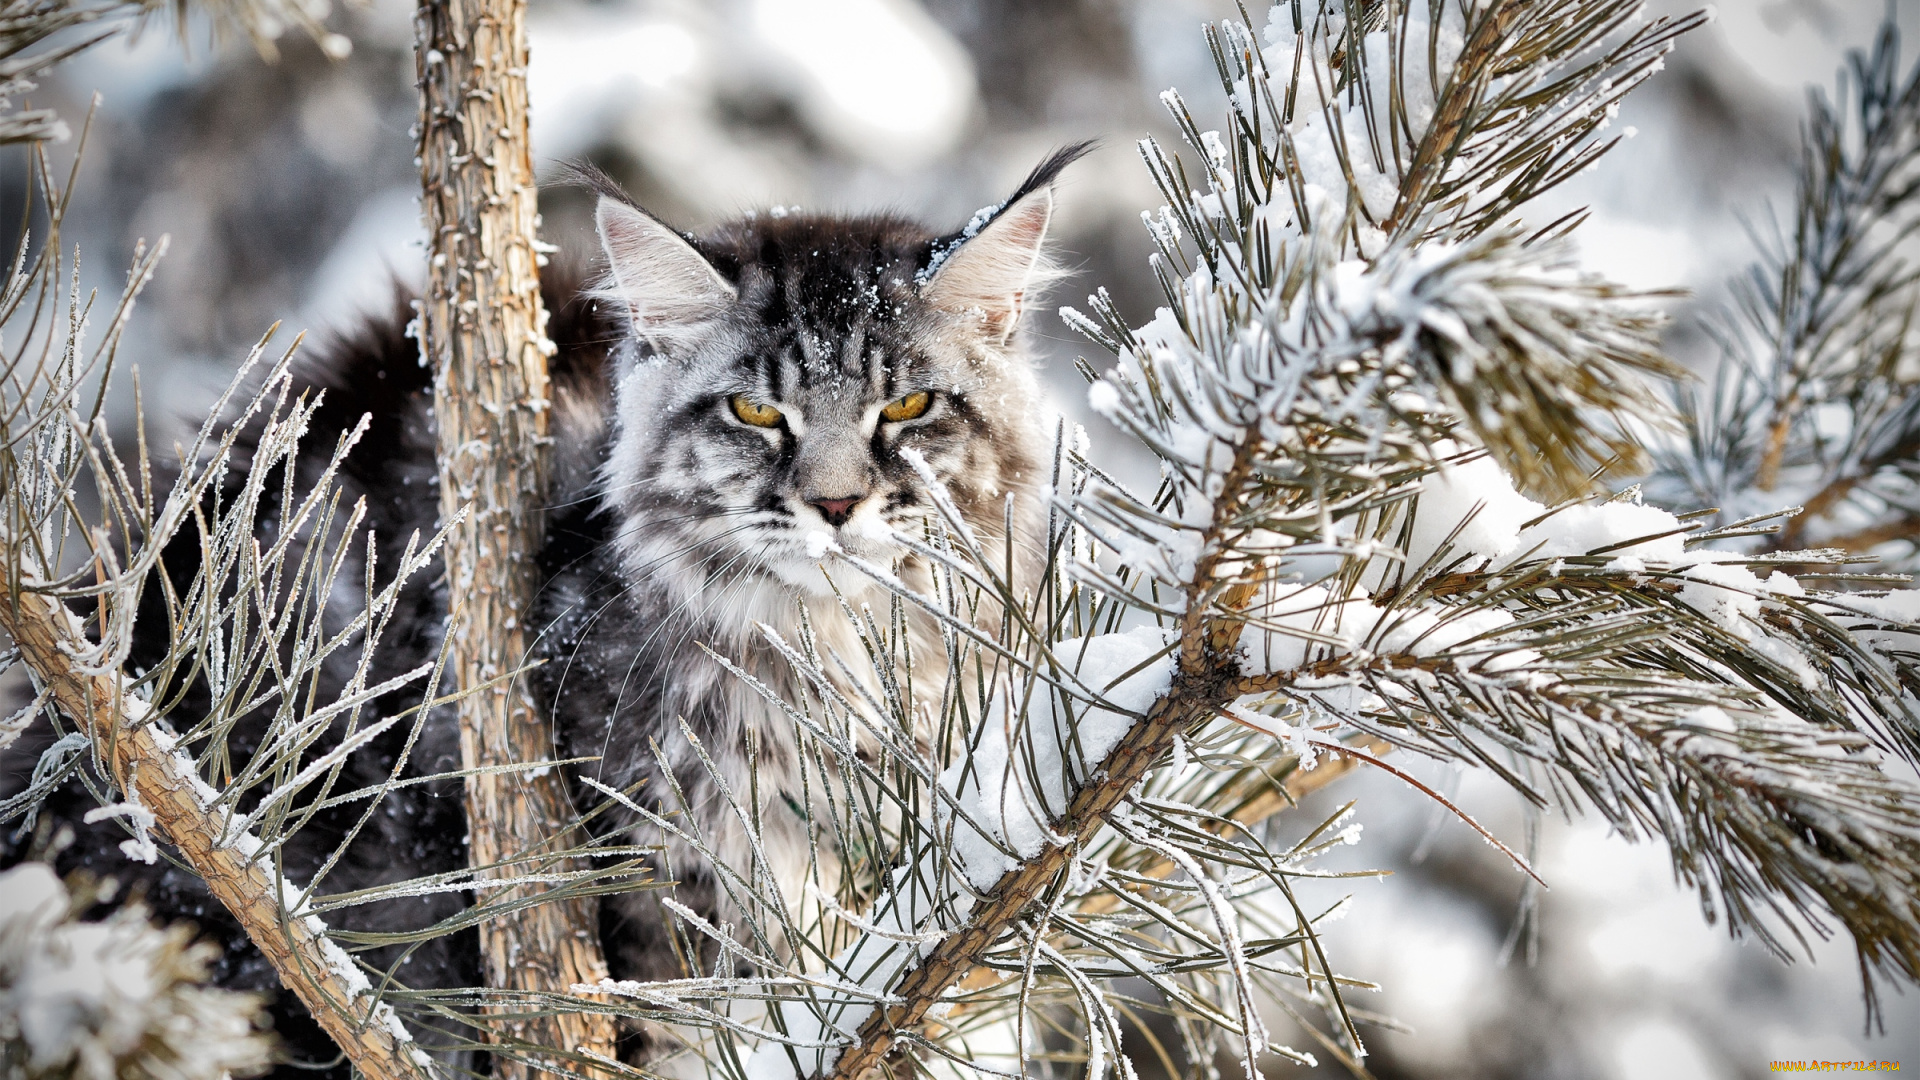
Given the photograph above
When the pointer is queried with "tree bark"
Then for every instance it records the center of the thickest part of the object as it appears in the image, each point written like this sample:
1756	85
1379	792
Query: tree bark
483	328
145	766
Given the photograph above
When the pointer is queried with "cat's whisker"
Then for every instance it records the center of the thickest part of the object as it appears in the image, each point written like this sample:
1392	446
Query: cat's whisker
627	586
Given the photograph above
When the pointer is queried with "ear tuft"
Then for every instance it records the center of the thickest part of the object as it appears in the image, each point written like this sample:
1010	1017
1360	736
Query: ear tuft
996	268
664	282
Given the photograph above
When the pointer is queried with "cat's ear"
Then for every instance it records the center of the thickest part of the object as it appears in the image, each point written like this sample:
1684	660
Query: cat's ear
664	282
996	270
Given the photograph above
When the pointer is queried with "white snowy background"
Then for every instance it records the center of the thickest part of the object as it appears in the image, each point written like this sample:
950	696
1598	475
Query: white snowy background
287	191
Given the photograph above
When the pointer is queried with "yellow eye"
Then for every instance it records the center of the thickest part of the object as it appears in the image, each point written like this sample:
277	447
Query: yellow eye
911	407
752	412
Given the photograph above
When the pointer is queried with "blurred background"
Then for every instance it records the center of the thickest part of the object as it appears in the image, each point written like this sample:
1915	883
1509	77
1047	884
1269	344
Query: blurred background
287	191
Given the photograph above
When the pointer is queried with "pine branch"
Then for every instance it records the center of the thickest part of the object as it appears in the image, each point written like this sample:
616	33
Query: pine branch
1199	411
245	630
1814	401
24	25
257	624
1444	139
1844	267
143	761
1271	801
1462	139
1898	455
51	438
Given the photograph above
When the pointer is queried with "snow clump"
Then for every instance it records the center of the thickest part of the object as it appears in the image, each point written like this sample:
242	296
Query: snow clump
1025	768
119	999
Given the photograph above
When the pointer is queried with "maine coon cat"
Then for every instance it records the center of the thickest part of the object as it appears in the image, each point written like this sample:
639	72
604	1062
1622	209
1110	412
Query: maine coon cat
774	373
720	400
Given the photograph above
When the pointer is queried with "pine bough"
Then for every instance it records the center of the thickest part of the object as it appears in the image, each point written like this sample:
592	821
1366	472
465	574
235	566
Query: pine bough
1813	404
85	525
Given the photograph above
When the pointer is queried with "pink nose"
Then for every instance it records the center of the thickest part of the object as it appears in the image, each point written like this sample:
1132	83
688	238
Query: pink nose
836	511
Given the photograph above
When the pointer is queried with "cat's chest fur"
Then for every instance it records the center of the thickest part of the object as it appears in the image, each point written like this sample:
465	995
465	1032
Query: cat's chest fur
638	672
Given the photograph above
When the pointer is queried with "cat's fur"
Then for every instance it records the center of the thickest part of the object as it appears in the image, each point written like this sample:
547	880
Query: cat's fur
673	525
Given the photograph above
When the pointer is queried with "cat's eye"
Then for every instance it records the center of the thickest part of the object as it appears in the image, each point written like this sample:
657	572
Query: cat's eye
911	407
752	412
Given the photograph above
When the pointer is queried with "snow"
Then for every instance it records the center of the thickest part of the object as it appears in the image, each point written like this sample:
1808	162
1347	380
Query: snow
1330	127
86	984
1009	790
31	895
1018	779
1732	597
1476	504
1311	624
1103	398
22	718
141	848
1585	528
90	1000
1322	641
1901	606
1472	507
819	543
1296	739
981	219
879	77
877	80
1480	502
903	927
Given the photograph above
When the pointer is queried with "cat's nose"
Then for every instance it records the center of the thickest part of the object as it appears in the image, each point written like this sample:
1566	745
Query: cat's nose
836	511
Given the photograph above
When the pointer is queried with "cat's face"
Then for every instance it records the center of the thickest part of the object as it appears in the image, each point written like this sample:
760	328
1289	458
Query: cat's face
785	369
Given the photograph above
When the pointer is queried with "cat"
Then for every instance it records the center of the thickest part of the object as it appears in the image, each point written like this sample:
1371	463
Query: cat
724	405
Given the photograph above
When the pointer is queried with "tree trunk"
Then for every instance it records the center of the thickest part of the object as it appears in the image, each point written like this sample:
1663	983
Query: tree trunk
483	328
